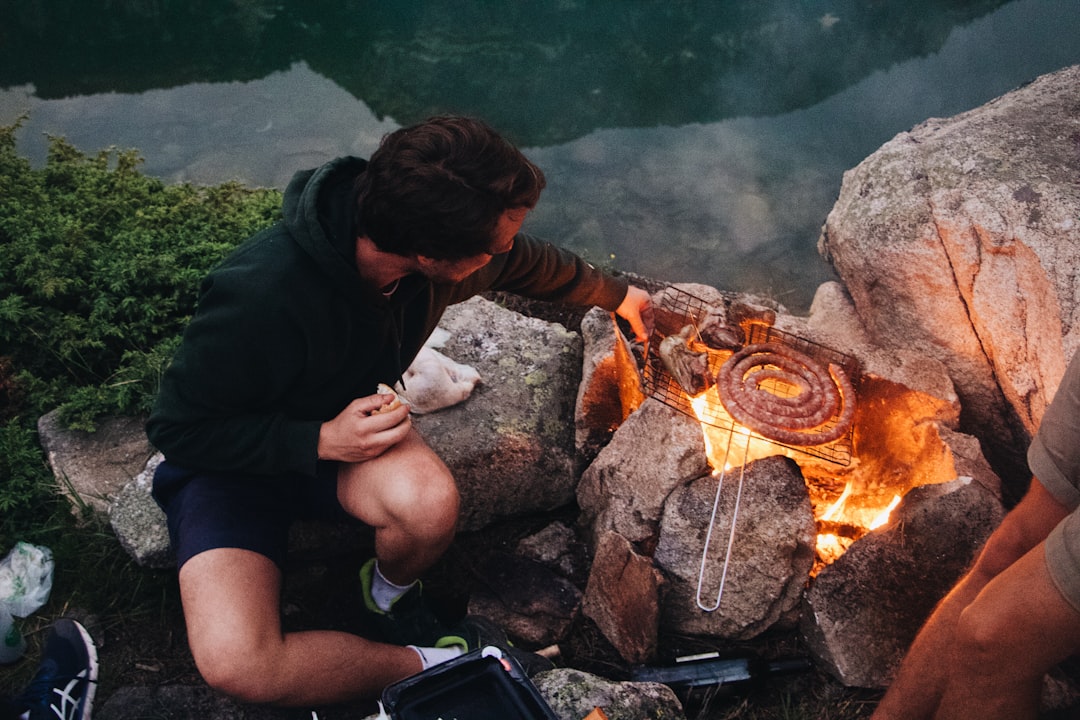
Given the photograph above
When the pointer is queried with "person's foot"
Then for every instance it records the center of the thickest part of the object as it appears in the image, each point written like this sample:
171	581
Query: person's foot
410	621
66	680
476	632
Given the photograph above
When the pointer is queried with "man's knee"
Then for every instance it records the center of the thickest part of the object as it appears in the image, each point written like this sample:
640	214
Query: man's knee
420	493
410	483
427	495
238	669
977	636
987	644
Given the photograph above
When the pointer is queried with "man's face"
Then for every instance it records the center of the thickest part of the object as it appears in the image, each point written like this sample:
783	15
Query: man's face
457	270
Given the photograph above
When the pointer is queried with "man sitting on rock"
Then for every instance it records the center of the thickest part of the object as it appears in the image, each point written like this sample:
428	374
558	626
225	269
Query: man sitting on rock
1016	614
269	410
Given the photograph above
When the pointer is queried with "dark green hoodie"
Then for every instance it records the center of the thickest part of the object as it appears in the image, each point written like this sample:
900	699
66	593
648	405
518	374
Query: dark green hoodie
287	334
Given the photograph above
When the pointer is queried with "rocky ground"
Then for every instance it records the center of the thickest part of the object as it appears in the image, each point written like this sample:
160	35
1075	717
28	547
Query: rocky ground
147	670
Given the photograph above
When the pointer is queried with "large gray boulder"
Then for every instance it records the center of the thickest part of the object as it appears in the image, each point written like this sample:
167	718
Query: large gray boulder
91	467
957	240
761	581
863	611
511	445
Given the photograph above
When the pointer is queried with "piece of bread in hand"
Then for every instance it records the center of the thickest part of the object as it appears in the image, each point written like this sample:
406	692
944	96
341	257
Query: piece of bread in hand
384	389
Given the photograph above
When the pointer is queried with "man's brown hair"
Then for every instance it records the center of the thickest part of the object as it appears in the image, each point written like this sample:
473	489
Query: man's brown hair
438	188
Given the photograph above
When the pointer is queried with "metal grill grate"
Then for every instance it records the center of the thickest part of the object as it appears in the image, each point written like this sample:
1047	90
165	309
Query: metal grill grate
679	308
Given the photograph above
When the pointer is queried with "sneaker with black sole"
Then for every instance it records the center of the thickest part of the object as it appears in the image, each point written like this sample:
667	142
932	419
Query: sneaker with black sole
475	632
63	687
410	621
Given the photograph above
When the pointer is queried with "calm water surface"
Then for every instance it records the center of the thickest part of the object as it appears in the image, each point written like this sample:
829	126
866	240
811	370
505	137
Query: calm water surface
700	142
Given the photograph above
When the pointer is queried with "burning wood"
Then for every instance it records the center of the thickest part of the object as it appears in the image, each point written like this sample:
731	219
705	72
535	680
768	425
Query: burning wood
840	525
840	528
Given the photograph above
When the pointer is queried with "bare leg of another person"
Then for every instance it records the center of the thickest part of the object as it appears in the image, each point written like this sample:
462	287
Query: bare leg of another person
231	605
1017	628
920	683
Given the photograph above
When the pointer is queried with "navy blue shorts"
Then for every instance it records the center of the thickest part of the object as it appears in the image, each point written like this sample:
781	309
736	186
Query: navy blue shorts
208	510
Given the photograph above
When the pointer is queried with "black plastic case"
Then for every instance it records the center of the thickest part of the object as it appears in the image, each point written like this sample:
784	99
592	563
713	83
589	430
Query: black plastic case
485	684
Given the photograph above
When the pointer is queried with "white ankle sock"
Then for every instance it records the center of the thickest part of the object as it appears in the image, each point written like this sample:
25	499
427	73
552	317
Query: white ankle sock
384	592
433	656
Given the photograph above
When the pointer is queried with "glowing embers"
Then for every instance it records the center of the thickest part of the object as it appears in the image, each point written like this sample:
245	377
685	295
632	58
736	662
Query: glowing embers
843	522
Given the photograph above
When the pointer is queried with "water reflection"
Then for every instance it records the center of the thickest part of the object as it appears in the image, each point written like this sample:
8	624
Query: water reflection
545	71
676	181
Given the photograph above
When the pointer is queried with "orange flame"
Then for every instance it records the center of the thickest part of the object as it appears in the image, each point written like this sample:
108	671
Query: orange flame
833	511
720	431
722	436
883	516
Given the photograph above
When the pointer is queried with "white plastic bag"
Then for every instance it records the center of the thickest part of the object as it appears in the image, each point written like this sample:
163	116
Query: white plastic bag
12	643
26	576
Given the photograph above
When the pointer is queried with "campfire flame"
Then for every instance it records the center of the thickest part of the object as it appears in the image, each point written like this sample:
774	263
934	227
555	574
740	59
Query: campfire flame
718	439
848	510
833	510
831	545
883	516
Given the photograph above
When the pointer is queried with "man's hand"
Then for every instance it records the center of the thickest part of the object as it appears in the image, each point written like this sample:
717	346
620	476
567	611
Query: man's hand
636	308
360	432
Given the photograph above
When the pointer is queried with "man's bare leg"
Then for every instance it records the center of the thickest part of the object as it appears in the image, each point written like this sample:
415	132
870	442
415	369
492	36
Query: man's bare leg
920	683
231	596
408	495
231	601
1017	628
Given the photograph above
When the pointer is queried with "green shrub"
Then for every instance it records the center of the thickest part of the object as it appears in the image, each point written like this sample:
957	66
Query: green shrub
21	466
99	273
99	269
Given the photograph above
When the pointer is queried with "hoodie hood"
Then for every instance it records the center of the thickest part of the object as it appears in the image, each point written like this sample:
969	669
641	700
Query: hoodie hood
318	211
